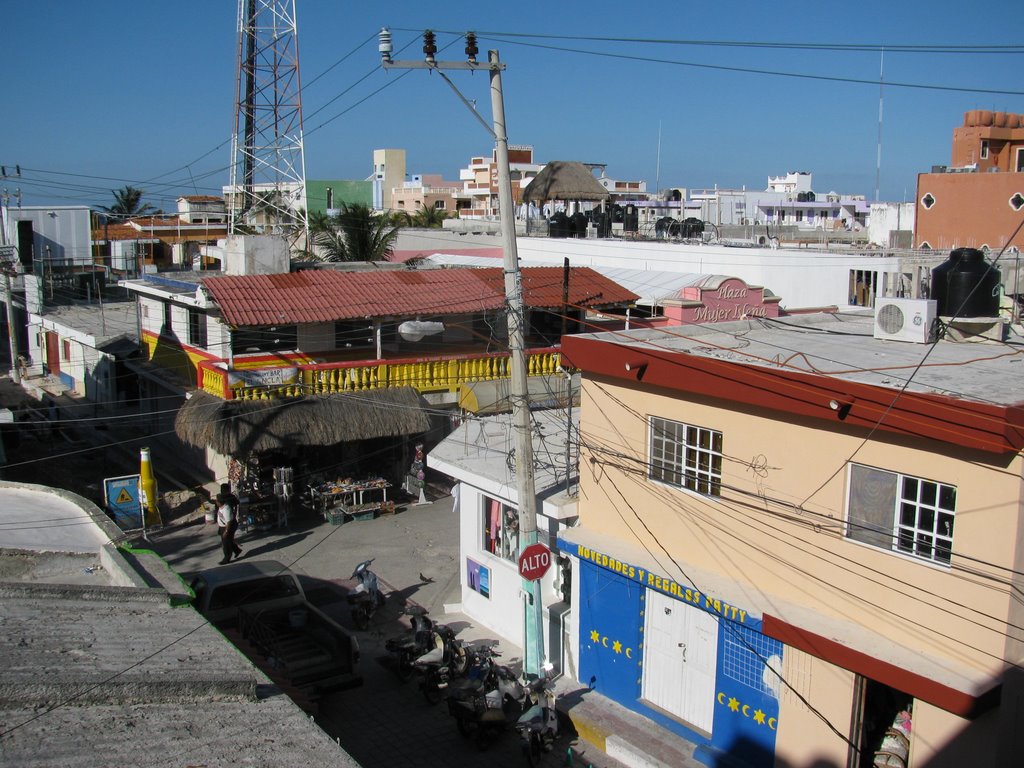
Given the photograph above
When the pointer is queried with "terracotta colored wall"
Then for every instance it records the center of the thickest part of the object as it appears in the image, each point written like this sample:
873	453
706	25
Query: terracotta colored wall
970	210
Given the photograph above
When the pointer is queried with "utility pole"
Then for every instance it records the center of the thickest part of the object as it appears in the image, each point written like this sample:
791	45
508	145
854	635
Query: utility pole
533	611
9	251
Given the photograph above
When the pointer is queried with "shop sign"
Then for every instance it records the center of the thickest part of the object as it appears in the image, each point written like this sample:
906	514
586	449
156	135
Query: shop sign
263	377
689	594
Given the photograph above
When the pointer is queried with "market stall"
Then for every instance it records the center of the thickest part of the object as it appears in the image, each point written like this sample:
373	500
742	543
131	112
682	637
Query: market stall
350	499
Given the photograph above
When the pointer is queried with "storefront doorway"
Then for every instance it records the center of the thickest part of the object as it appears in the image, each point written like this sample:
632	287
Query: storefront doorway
680	659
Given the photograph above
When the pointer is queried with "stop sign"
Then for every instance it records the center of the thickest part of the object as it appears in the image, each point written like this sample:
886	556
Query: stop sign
534	561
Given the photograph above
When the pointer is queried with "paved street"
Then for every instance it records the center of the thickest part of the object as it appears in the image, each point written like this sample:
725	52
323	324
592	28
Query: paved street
386	722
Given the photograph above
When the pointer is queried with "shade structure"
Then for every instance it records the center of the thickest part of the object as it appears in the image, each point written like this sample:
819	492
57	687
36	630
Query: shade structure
244	427
564	180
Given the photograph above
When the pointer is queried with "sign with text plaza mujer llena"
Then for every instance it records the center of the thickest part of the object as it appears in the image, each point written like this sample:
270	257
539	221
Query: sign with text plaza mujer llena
534	561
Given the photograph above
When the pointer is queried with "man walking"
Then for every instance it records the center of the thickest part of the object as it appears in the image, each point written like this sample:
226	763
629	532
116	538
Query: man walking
227	522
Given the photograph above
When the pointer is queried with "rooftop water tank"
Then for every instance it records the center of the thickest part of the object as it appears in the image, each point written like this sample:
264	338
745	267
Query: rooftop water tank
965	285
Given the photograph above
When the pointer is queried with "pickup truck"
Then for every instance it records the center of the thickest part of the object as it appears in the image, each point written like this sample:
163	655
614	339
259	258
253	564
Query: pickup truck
260	605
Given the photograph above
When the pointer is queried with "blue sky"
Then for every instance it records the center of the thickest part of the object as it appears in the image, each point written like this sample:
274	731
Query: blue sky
110	92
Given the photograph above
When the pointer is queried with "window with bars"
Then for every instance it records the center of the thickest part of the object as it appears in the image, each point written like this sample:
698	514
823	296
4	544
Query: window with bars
901	512
686	456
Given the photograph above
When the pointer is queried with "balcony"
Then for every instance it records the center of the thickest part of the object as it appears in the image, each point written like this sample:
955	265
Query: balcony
426	375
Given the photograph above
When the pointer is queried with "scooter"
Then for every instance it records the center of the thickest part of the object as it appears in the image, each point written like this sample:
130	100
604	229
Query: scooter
366	598
410	645
445	661
488	701
538	725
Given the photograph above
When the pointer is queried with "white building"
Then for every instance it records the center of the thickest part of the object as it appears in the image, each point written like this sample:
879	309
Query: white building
477	454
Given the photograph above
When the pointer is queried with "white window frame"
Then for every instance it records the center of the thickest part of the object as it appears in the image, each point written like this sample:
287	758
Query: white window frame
504	544
984	149
920	522
684	456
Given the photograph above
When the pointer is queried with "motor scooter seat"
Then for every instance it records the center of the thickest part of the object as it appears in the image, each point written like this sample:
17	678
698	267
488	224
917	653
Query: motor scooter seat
430	657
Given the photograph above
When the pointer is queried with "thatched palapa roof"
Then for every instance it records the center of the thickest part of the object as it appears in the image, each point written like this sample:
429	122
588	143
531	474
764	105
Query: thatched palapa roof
240	428
564	180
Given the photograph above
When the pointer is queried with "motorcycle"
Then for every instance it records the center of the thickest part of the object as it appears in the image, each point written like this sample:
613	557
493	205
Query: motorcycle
538	725
366	598
410	645
489	700
445	661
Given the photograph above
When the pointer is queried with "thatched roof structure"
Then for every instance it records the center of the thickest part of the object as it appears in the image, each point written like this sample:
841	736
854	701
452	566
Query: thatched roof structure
564	180
243	427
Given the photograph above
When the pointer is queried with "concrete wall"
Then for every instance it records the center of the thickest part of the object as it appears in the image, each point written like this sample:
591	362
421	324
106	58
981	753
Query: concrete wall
768	556
801	277
255	255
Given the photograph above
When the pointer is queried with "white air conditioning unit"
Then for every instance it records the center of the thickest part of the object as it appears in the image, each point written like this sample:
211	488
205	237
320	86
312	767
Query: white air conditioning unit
905	319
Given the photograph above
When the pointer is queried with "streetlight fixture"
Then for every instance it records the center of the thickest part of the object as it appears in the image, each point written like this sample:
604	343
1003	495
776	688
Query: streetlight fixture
533	650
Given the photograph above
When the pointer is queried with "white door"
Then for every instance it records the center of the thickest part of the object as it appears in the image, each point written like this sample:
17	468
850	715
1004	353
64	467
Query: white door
680	658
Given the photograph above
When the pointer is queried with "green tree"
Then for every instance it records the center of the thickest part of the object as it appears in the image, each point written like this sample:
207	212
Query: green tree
128	203
429	218
357	235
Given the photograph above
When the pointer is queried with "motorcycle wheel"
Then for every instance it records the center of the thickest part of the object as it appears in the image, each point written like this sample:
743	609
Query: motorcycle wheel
430	690
483	738
532	749
361	617
405	668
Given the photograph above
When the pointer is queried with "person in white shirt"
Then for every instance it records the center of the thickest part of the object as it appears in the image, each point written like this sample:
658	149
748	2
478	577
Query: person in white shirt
227	522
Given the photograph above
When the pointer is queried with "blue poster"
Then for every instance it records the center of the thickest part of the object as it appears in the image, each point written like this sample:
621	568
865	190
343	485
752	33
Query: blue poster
478	577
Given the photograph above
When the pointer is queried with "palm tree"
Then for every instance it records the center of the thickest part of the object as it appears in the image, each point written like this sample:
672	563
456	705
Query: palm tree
357	235
128	203
429	218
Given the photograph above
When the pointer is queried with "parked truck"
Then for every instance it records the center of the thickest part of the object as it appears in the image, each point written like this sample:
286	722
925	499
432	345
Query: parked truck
262	607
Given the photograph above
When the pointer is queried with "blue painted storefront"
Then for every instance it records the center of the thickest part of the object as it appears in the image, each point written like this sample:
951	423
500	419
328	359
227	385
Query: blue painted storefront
611	628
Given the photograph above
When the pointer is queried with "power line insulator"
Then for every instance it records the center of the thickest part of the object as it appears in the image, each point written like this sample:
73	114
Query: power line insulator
471	49
384	44
429	46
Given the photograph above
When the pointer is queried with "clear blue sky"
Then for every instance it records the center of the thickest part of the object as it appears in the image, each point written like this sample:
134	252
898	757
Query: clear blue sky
112	92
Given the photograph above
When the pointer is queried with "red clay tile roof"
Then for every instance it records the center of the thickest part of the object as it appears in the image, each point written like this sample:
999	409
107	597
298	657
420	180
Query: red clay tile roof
202	198
115	232
317	296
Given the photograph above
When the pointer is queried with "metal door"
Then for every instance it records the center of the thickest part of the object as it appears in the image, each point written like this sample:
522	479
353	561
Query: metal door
680	658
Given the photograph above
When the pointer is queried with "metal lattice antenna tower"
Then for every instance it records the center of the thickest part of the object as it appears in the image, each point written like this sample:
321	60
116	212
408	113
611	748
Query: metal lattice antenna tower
268	174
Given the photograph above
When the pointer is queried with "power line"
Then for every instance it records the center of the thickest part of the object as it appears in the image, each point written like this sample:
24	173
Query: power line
504	38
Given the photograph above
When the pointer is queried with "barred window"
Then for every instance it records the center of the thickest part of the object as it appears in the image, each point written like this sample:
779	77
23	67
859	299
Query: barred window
686	456
901	512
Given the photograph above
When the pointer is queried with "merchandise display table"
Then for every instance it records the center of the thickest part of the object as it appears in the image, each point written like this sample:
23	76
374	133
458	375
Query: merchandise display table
347	500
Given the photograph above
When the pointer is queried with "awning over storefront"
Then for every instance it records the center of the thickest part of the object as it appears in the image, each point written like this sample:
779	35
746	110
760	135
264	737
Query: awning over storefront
241	428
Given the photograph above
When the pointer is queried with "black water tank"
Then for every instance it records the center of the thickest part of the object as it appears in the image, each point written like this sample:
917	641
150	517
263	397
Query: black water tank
558	225
630	219
603	222
578	225
965	285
